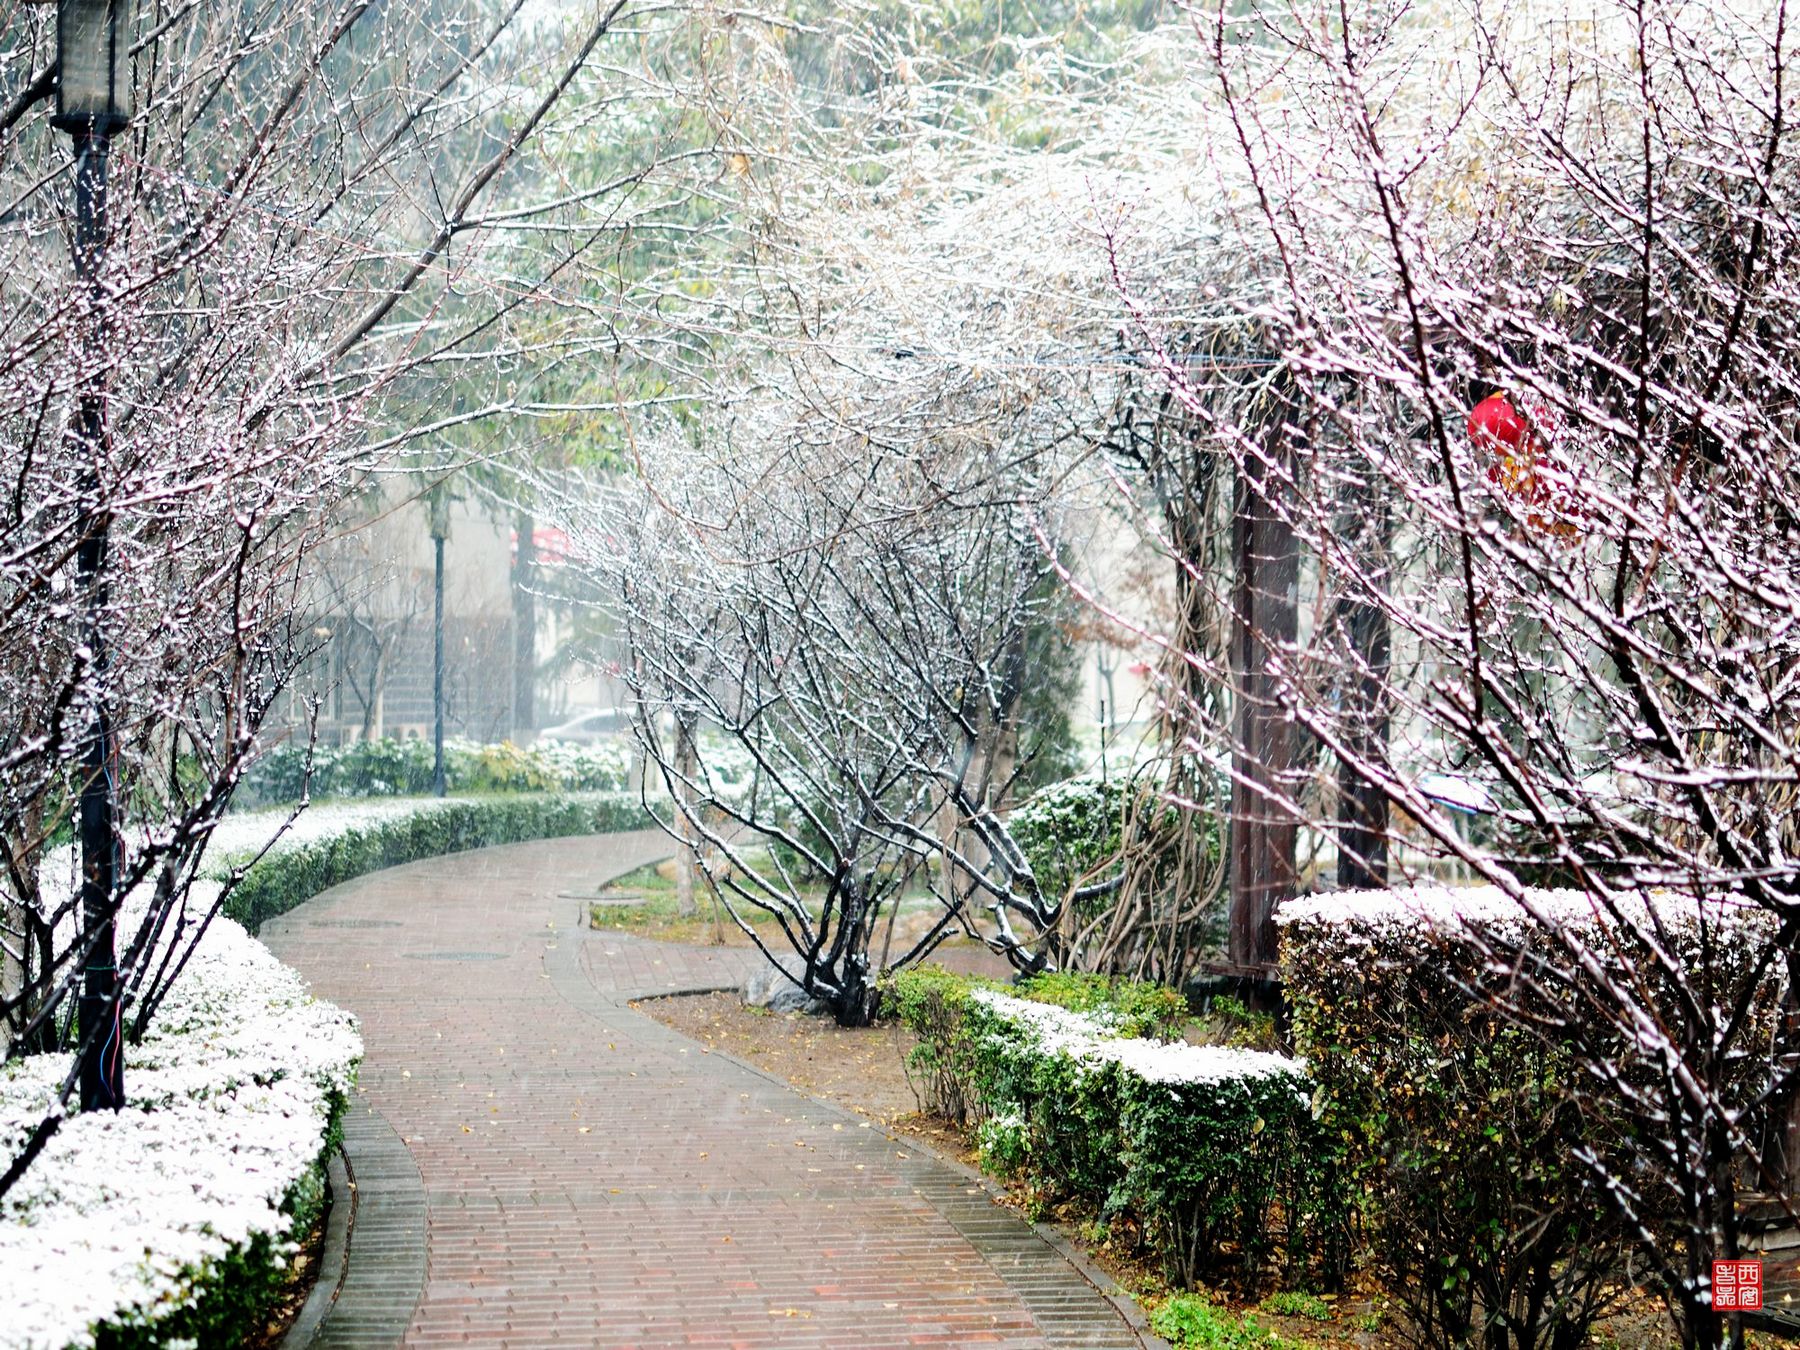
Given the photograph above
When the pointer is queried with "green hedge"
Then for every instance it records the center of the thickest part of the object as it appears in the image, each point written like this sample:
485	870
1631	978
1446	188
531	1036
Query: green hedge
945	1069
1212	1151
288	877
385	767
1460	1116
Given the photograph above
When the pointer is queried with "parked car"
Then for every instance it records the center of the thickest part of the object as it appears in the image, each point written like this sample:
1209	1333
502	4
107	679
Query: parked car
586	728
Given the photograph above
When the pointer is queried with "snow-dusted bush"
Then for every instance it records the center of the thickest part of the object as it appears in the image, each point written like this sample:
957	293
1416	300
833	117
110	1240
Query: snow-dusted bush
390	768
602	767
1448	1031
367	840
933	1003
1212	1150
172	1218
1070	830
1130	862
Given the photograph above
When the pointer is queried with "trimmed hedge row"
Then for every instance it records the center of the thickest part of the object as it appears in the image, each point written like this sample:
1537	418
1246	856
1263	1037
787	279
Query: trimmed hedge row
1460	1117
287	877
946	1066
174	1219
1212	1151
237	1294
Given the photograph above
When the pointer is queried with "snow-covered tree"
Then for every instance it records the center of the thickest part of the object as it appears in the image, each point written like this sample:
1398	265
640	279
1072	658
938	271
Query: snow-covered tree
1523	280
303	211
1256	283
848	614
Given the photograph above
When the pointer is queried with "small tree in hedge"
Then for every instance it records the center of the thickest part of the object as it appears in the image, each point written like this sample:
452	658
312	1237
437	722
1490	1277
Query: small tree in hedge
1455	1054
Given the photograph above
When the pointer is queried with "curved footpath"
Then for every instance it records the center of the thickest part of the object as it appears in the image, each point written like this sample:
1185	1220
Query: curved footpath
537	1164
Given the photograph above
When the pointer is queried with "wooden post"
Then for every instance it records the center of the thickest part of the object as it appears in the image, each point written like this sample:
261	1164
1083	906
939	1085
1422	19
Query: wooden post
1265	618
1363	644
1363	806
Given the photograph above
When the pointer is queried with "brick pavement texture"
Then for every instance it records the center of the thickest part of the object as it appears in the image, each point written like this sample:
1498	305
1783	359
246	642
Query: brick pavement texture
591	1177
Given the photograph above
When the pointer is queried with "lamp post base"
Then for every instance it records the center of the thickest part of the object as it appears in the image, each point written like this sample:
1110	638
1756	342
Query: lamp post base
103	1065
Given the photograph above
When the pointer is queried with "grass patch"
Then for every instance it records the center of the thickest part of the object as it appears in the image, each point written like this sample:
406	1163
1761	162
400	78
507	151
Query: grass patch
1189	1322
643	903
1298	1303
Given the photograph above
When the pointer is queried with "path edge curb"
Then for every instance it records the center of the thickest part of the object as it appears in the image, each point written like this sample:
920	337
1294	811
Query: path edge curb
377	1292
334	1260
1090	1270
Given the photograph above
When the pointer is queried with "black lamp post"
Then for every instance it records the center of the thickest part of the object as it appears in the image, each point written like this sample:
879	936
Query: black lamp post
93	103
440	531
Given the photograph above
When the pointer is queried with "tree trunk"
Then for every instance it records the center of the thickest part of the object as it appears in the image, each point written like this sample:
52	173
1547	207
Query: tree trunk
372	709
687	765
860	1001
16	933
1265	619
524	601
1362	805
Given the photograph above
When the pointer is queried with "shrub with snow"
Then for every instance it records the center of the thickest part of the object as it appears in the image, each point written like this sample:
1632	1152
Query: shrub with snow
137	1220
384	767
355	840
1212	1150
1072	832
1070	829
1447	1030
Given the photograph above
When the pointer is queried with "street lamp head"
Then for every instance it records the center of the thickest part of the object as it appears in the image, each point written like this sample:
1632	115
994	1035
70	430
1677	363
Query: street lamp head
439	502
93	58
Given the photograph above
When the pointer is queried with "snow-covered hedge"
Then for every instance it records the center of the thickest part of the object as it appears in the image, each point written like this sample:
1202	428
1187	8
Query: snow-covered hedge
390	768
362	840
944	1067
1209	1149
1457	1109
172	1219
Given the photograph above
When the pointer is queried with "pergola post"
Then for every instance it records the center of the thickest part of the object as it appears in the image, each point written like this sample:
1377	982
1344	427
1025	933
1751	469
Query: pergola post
1265	619
1363	644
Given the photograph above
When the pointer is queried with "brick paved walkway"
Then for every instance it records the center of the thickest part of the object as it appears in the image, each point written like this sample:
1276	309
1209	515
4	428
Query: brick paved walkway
591	1177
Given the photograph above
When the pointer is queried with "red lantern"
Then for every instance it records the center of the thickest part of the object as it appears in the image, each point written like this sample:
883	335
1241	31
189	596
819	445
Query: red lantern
1522	467
1493	425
